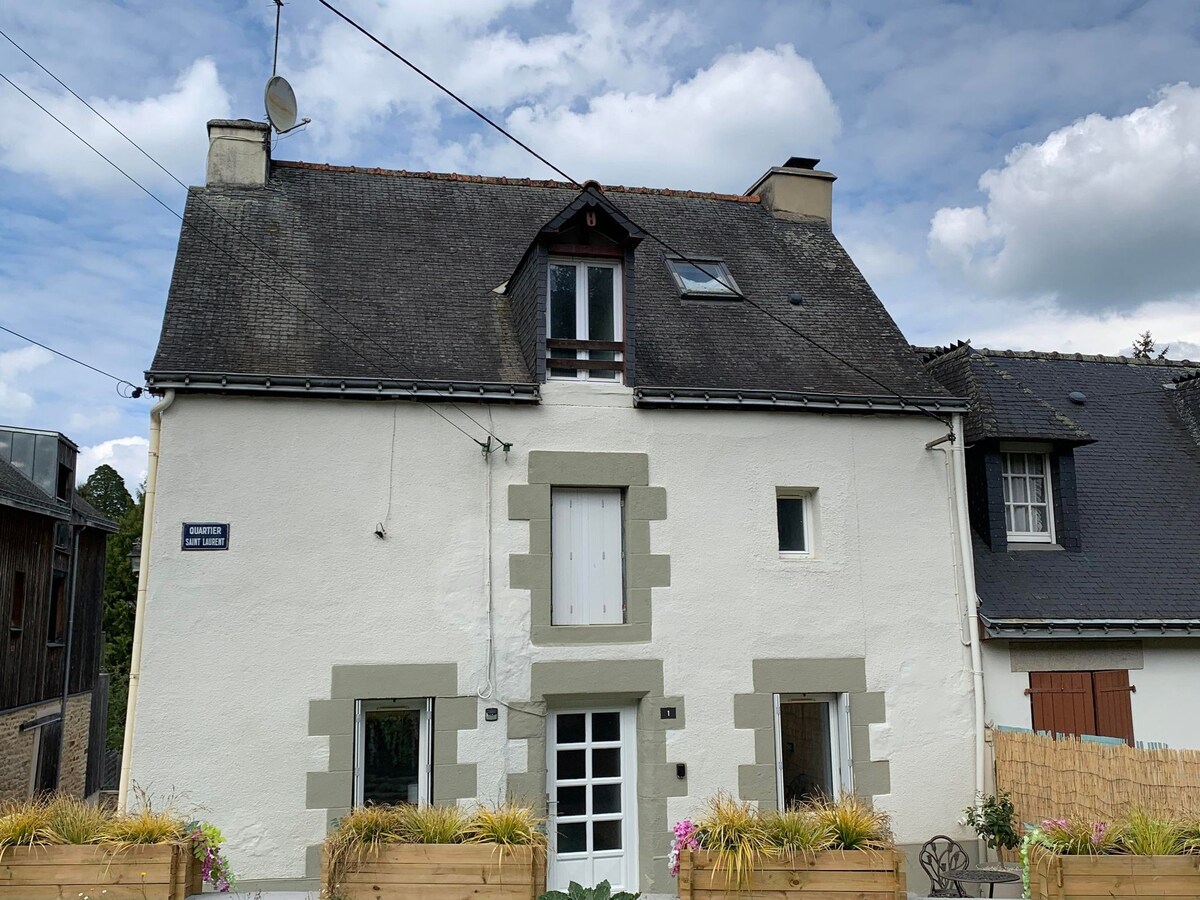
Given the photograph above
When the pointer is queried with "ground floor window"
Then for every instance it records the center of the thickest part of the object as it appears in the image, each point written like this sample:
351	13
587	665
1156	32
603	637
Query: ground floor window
812	747
392	751
1077	703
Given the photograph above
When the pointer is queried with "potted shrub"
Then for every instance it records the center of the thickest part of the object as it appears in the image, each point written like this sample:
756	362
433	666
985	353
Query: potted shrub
66	846
1139	856
817	849
995	821
382	852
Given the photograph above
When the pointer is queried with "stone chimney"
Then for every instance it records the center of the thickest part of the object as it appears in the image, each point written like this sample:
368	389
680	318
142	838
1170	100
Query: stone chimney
1187	401
239	153
797	191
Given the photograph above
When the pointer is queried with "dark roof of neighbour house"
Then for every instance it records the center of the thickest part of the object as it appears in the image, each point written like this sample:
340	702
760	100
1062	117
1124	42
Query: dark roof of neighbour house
19	492
1138	493
410	264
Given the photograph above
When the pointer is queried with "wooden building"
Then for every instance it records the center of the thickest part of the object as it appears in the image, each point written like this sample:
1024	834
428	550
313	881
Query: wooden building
52	555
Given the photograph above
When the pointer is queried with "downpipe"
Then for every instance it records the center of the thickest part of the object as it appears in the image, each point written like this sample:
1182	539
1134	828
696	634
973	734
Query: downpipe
139	622
953	447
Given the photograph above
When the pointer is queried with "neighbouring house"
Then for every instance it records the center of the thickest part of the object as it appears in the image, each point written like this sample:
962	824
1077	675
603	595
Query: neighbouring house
53	700
1084	486
470	490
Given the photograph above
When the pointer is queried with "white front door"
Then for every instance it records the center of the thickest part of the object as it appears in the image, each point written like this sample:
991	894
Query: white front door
591	767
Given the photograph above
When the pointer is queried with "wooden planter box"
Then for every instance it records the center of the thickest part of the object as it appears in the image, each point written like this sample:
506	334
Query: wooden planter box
151	872
443	872
1053	877
833	875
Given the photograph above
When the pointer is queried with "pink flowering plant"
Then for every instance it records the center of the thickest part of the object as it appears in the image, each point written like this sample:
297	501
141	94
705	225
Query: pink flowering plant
205	841
687	837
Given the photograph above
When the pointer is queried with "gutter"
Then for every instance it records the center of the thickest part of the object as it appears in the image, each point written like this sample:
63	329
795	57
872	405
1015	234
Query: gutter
139	622
1045	629
354	388
726	398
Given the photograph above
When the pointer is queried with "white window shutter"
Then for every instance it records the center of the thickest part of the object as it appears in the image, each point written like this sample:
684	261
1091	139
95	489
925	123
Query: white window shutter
586	564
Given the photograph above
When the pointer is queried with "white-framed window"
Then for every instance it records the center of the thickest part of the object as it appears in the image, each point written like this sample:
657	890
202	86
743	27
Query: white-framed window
392	751
704	277
794	521
1028	503
812	747
587	556
584	316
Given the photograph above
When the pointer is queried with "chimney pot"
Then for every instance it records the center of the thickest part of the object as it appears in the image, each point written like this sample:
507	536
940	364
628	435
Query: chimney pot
797	190
239	153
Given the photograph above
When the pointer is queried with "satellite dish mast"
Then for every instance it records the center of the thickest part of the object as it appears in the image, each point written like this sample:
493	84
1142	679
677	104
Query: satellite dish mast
278	97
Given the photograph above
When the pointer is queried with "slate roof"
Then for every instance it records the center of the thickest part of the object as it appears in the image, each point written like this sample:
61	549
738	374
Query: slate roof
1138	490
410	261
17	490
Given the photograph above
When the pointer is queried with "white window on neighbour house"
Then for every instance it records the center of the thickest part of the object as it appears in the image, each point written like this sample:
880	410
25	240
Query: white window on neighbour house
1028	507
587	567
584	320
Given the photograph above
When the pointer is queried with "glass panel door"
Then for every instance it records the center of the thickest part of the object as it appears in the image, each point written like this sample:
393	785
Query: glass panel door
391	749
590	773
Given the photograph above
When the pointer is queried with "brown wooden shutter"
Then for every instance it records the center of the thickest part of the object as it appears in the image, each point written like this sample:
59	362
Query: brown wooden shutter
1114	709
1063	702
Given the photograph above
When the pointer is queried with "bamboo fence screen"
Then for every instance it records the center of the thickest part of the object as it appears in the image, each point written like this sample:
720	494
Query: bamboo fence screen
1051	779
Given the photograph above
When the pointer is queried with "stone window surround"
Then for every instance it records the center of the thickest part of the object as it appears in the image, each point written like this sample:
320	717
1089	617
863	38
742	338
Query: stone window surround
756	711
595	683
332	790
643	570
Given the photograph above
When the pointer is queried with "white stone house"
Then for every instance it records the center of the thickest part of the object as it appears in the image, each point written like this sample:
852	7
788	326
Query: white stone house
515	503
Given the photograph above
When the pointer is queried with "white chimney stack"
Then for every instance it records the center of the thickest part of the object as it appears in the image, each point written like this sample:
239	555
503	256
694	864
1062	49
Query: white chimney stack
239	153
797	190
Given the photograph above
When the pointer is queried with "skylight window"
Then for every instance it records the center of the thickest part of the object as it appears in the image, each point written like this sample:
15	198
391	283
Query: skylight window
703	277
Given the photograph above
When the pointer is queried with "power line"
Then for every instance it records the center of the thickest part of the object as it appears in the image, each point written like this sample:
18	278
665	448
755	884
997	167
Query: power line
134	390
660	241
249	240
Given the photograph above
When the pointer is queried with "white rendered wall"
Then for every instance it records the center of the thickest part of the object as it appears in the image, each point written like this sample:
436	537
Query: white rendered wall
238	642
1171	675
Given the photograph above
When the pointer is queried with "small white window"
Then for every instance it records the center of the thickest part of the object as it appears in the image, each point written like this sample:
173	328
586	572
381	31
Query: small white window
793	518
812	747
587	560
392	751
584	320
1028	509
709	277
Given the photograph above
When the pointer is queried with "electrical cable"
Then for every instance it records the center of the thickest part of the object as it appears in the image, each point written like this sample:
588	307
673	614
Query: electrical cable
240	263
733	290
134	390
231	225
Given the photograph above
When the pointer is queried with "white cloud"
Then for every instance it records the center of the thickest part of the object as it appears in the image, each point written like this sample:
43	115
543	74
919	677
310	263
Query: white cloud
718	130
168	126
127	455
100	417
14	364
1100	215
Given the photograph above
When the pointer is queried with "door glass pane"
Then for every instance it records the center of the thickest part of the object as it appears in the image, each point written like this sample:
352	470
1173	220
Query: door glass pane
572	837
606	798
570	728
790	513
606	763
572	801
391	756
571	764
562	302
606	835
807	750
606	726
600	303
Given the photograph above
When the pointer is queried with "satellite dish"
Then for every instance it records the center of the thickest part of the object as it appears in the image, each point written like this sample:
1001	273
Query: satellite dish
280	100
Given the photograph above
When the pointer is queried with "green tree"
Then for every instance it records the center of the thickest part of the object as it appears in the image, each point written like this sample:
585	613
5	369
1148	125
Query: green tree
120	605
1143	347
105	490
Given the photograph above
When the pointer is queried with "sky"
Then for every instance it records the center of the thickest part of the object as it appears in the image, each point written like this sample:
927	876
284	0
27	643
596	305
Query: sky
1022	174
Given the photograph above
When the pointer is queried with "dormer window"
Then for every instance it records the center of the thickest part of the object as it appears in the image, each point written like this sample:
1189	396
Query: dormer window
584	339
702	278
1028	508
